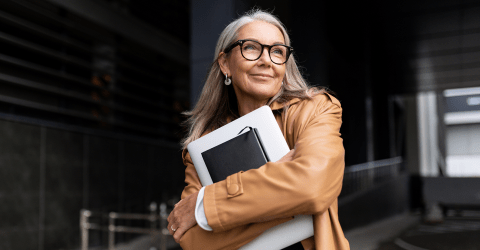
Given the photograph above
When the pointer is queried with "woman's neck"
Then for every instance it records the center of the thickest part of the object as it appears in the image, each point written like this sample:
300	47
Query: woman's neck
247	106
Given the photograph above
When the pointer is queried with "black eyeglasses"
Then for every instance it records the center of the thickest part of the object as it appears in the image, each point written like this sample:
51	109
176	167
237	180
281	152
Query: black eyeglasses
252	50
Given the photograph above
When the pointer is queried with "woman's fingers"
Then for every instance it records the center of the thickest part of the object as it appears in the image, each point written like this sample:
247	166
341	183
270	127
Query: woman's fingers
171	229
177	235
182	217
170	220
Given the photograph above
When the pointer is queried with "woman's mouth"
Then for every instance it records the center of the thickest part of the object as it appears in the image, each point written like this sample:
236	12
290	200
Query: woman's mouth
262	76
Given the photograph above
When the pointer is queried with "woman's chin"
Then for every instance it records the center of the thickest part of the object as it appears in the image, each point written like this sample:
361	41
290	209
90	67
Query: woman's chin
265	94
265	87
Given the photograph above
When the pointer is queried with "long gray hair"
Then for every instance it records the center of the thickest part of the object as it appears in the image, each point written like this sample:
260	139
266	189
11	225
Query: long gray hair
218	104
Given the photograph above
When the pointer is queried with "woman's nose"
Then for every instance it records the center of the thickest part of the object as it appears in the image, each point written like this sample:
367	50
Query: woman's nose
265	57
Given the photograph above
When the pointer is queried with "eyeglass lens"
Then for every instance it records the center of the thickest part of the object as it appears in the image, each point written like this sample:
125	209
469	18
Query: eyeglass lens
252	51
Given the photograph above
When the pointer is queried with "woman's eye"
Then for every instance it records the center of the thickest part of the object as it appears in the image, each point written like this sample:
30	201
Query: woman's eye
249	47
278	51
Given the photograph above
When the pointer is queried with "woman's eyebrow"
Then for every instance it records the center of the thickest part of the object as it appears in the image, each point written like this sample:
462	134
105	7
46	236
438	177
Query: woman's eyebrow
251	39
274	43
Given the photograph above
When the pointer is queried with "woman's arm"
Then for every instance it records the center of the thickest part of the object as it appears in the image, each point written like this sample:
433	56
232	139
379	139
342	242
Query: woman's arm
197	238
307	185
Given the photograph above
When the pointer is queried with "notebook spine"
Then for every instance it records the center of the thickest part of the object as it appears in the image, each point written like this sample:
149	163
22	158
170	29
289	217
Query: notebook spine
255	131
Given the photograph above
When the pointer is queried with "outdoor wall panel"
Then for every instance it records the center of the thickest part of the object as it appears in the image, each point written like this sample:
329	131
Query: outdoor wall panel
14	239
136	165
471	40
458	140
463	139
64	162
424	47
439	39
19	212
102	172
471	19
62	238
430	63
19	157
166	171
61	212
437	22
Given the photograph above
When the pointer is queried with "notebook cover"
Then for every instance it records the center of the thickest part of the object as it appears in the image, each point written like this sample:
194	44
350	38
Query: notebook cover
241	153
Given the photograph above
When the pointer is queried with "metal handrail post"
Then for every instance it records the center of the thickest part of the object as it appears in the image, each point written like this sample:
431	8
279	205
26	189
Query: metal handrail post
163	226
111	231
84	214
153	211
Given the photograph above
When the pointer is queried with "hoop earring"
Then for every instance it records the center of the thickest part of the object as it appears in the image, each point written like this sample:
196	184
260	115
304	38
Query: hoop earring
228	81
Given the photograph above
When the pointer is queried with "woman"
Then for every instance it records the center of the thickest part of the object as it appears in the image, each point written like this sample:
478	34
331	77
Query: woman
252	68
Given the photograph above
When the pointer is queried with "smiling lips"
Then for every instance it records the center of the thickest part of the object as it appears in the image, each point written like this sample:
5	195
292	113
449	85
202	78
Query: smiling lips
263	75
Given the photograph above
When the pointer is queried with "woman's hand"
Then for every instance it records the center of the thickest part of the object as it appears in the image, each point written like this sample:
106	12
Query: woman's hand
288	156
182	217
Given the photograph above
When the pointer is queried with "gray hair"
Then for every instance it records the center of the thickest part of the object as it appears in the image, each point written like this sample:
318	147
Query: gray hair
217	102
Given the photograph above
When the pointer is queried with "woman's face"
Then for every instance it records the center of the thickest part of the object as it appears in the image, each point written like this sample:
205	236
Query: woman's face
255	80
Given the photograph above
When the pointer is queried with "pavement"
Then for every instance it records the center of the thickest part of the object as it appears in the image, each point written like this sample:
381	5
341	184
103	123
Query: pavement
370	237
149	242
460	230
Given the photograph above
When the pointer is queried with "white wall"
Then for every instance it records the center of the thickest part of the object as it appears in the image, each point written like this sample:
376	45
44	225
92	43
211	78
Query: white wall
463	150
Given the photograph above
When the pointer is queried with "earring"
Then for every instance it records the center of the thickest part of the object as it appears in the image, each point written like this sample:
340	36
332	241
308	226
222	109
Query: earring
228	81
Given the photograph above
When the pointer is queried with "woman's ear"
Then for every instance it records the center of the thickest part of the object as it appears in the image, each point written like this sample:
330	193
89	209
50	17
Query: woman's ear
223	63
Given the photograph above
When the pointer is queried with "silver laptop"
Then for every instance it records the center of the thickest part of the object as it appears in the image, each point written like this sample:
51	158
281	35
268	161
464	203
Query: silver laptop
276	147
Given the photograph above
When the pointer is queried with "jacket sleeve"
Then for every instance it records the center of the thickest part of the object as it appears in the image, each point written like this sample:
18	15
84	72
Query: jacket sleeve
197	238
308	184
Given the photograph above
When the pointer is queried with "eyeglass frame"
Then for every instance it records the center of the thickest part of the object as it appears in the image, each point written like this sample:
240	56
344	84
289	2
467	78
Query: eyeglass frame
240	42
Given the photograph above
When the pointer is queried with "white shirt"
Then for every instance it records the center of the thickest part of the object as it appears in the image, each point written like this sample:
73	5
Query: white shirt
200	211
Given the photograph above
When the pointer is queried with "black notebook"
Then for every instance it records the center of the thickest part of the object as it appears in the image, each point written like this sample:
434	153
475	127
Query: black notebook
241	153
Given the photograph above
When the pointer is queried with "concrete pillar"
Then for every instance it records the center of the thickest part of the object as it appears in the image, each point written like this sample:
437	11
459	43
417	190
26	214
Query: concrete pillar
429	153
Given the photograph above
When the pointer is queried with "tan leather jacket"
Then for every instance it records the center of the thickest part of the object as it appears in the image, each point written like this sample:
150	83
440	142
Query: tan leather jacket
246	204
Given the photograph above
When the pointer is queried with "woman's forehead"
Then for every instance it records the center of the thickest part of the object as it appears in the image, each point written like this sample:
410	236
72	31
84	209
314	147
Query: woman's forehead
262	32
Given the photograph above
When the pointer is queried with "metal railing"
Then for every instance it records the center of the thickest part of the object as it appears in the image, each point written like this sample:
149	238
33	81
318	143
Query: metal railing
158	224
366	175
356	179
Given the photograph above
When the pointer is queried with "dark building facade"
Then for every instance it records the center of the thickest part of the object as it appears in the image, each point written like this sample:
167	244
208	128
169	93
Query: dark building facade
91	94
90	102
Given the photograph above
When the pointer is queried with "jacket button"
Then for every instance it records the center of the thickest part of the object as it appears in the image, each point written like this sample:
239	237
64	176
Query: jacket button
232	188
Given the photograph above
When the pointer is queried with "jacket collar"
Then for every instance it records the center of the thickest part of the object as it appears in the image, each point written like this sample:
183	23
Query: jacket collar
276	105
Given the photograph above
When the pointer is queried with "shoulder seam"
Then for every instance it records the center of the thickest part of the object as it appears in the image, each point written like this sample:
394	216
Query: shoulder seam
334	100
